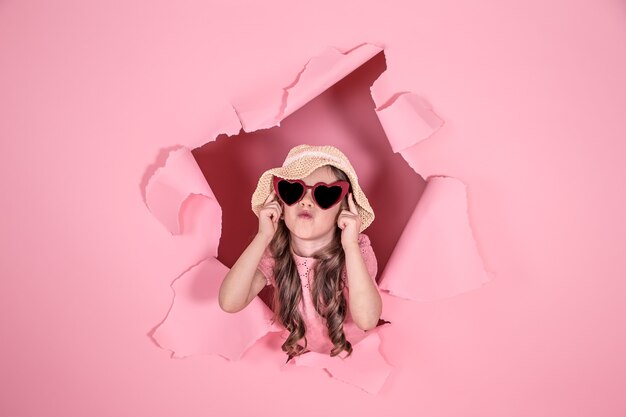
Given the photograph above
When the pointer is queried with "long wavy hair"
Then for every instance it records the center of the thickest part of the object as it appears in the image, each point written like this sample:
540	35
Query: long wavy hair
326	293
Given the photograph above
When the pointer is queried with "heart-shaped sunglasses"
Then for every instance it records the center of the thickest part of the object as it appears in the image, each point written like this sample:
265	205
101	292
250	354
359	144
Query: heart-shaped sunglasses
325	195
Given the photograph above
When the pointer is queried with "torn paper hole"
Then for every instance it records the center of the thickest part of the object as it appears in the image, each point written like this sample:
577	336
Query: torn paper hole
328	102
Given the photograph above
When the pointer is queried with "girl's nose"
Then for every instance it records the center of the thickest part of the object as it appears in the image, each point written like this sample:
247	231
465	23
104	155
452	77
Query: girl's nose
308	198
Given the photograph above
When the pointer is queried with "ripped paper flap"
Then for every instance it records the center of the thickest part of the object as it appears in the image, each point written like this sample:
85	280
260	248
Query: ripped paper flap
196	324
436	256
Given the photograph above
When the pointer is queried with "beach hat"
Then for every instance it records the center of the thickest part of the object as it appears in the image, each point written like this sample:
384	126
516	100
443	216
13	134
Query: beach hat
303	160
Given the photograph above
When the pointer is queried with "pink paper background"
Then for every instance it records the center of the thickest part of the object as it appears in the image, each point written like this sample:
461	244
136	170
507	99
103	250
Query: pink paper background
533	97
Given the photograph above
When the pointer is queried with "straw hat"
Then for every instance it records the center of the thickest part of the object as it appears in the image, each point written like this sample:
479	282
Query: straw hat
303	160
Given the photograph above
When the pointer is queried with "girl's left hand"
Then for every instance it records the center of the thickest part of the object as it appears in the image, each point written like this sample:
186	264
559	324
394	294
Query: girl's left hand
350	224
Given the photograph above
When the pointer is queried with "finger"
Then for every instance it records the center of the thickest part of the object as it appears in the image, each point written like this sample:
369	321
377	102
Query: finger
277	206
269	197
352	204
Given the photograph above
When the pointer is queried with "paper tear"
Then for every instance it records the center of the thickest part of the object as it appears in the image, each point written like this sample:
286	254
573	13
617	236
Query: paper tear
170	185
437	231
365	368
317	75
406	117
196	324
437	247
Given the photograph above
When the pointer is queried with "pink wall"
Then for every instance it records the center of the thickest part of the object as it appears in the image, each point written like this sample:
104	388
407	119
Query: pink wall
93	95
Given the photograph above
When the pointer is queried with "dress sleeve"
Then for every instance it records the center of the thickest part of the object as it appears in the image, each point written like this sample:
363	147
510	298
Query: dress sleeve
367	252
266	265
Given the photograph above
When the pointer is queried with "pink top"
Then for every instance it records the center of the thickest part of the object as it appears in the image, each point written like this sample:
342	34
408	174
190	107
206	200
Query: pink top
316	331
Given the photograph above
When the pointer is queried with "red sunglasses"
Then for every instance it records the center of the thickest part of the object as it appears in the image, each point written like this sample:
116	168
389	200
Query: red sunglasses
325	195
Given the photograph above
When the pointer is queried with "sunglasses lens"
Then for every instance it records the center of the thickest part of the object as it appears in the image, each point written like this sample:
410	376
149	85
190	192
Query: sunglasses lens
327	196
290	192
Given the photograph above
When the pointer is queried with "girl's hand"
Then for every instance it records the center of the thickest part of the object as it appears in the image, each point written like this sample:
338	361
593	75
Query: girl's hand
269	216
350	223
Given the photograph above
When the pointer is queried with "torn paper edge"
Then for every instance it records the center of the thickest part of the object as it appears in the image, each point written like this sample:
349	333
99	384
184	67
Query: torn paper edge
388	108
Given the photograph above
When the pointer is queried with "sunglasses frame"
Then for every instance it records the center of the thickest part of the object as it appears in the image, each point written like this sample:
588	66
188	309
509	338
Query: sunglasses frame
345	188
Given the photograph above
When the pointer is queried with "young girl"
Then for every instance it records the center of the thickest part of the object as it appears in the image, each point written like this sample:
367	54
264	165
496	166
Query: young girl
310	248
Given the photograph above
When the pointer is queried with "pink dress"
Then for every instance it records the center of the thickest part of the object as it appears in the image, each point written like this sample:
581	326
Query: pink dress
316	331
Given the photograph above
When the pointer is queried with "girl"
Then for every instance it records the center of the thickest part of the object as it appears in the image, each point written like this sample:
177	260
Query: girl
310	248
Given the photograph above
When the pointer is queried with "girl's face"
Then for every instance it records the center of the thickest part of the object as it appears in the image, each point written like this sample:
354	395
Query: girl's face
321	221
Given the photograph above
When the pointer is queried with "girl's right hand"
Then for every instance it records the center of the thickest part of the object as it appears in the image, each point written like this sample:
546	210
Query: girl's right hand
269	216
